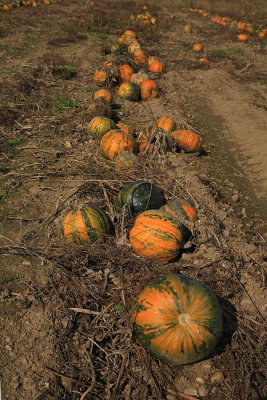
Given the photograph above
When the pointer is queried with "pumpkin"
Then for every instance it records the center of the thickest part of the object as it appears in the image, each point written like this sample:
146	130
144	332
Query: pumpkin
129	91
183	210
100	77
157	235
126	128
203	60
125	72
126	37
197	47
115	142
138	52
187	140
187	28
149	89
168	124
126	160
140	59
86	224
139	196
153	20
178	319
99	126
134	45
157	66
139	77
151	59
242	37
103	93
153	138
262	33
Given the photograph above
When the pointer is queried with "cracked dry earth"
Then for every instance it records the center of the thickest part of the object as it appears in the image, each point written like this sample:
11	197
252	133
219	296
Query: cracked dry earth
49	164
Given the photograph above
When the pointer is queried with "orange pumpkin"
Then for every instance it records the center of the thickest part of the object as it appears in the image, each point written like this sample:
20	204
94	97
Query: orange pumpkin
100	77
127	37
140	60
154	139
187	28
157	66
157	235
139	77
115	142
125	72
168	124
197	47
129	91
262	33
149	89
203	60
242	37
187	140
138	52
178	319
125	128
103	93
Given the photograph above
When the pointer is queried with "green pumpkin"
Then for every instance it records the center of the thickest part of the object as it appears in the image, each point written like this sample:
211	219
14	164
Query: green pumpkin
139	196
183	210
99	126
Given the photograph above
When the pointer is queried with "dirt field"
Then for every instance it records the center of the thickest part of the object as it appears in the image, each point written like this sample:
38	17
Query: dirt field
49	164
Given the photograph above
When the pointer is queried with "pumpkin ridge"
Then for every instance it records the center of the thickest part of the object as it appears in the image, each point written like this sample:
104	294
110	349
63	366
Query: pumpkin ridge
89	224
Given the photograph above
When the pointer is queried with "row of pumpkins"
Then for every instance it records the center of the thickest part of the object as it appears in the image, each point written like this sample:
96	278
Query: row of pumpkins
9	4
177	318
227	21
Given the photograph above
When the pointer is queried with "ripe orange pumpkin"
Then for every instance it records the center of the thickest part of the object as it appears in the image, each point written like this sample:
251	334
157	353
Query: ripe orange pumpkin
126	160
129	91
178	319
103	93
157	235
115	142
183	210
100	77
139	77
168	124
262	33
154	139
127	37
98	126
242	37
86	224
197	47
203	60
149	89
126	128
125	72
187	140
157	66
140	59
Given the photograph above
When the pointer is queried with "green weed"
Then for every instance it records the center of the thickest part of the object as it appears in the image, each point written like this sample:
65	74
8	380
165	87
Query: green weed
65	103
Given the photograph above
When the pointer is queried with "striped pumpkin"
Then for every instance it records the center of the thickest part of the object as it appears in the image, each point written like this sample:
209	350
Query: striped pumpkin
100	77
126	160
129	91
157	235
187	140
86	224
125	72
168	124
151	59
157	66
115	142
99	126
153	139
149	89
126	128
178	319
139	196
183	210
104	93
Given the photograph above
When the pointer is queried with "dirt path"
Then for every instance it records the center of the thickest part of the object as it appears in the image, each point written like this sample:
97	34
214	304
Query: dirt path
49	165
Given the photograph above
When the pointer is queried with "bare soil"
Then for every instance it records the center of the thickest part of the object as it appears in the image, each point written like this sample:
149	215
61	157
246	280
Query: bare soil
49	164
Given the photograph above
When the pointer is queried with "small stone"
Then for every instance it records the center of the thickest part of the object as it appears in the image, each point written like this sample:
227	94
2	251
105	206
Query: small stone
190	391
235	198
200	380
243	212
202	391
206	365
26	263
9	348
67	144
217	378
